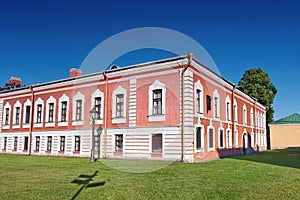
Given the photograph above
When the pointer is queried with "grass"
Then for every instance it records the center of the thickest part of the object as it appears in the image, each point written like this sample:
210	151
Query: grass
267	175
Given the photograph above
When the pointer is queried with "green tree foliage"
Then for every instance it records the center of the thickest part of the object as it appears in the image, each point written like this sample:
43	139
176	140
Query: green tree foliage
256	83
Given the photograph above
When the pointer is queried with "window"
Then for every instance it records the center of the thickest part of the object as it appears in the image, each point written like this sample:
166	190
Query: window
208	103
5	143
62	143
235	111
157	143
216	104
39	113
156	101
236	138
97	101
120	105
199	138
49	143
98	107
26	143
6	116
51	112
64	111
27	114
252	139
17	119
221	138
228	109
119	142
37	143
211	139
15	143
228	139
78	110
198	98
251	117
244	114
77	143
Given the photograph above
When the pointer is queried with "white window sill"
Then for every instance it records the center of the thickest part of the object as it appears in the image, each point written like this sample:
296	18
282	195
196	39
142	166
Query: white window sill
77	123
99	121
62	124
198	114
121	120
26	125
5	127
38	125
156	118
49	124
211	149
16	126
199	150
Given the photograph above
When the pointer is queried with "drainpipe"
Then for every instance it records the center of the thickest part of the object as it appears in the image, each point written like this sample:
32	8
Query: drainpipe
105	111
31	120
233	118
190	58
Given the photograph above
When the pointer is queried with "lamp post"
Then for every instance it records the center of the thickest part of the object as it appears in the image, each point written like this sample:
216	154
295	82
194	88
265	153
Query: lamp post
93	114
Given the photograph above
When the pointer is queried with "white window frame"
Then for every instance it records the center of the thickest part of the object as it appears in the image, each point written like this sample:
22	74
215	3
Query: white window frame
63	98
236	135
228	108
119	120
27	103
246	139
235	105
219	142
51	99
228	136
202	138
17	104
157	85
251	117
208	138
6	126
244	114
216	105
198	86
114	142
78	96
252	139
39	101
98	93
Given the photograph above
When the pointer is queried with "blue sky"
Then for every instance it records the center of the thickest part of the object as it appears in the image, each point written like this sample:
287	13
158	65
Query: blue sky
41	40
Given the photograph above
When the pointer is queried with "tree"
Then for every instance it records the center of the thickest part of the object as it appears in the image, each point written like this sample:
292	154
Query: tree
256	83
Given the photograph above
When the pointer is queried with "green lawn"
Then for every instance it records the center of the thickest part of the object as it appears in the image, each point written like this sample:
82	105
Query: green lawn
268	175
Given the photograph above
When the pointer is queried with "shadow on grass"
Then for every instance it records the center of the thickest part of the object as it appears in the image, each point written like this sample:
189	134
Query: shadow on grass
85	180
289	157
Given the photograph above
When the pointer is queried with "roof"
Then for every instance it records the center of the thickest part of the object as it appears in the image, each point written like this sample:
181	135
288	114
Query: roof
291	119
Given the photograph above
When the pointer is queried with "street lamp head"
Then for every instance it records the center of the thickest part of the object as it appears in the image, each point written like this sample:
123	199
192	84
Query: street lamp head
93	113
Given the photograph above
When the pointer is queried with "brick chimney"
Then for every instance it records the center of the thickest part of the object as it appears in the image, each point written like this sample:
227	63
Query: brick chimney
74	72
15	82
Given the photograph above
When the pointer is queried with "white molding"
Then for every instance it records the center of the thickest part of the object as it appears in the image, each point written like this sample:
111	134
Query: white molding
78	96
228	139
6	126
216	114
208	137
228	100
202	138
119	120
51	99
98	93
155	86
219	142
17	104
64	97
39	101
27	103
198	86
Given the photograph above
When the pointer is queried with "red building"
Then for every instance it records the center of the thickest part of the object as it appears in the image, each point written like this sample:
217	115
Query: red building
173	109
